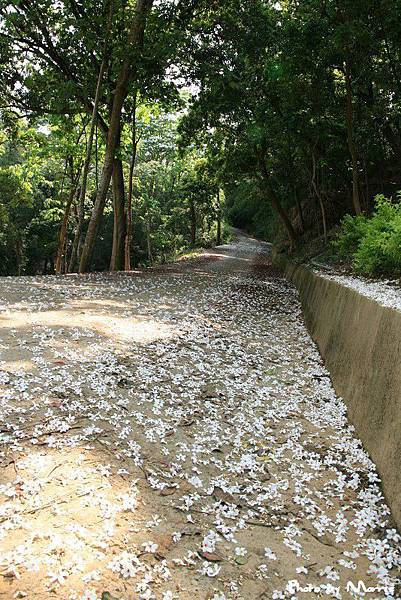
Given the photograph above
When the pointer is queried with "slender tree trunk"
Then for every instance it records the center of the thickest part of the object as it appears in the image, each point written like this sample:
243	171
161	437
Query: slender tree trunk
85	173
192	212
99	205
128	234
119	225
135	39
293	184
72	265
148	240
18	254
97	157
276	204
62	239
299	208
61	259
319	196
63	228
218	241
367	192
350	137
393	139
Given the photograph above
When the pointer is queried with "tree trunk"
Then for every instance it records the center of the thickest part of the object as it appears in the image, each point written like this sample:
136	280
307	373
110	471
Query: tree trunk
367	192
218	241
299	208
393	139
319	196
85	173
119	226
350	137
128	233
276	204
97	157
18	253
293	184
72	265
135	39
62	238
192	213
148	240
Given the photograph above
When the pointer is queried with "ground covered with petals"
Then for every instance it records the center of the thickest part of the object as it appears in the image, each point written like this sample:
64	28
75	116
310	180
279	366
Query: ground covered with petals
174	434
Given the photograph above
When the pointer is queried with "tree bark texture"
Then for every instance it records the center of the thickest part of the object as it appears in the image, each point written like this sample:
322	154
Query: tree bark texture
126	74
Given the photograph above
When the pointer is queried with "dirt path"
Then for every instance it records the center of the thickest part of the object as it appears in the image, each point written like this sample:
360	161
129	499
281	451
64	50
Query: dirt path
173	434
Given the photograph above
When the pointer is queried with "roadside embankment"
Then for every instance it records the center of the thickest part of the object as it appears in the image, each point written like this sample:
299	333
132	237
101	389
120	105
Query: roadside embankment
360	342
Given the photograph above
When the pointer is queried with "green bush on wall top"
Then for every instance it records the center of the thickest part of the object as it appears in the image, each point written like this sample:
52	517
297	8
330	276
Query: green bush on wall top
373	243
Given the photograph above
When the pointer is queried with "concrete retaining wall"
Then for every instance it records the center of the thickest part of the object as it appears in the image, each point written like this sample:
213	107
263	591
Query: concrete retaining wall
360	342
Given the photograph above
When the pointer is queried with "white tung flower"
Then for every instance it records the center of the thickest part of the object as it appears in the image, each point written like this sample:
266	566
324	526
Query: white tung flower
126	564
209	541
89	595
129	502
330	573
91	576
269	554
150	547
210	570
302	570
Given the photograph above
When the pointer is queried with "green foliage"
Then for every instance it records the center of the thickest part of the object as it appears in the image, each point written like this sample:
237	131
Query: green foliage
31	170
174	194
352	230
286	122
373	243
288	107
247	210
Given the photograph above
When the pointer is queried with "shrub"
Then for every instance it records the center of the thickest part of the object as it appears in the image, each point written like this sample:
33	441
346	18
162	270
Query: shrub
373	244
351	232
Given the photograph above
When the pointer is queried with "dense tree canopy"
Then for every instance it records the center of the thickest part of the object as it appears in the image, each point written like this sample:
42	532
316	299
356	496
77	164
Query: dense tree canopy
126	126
